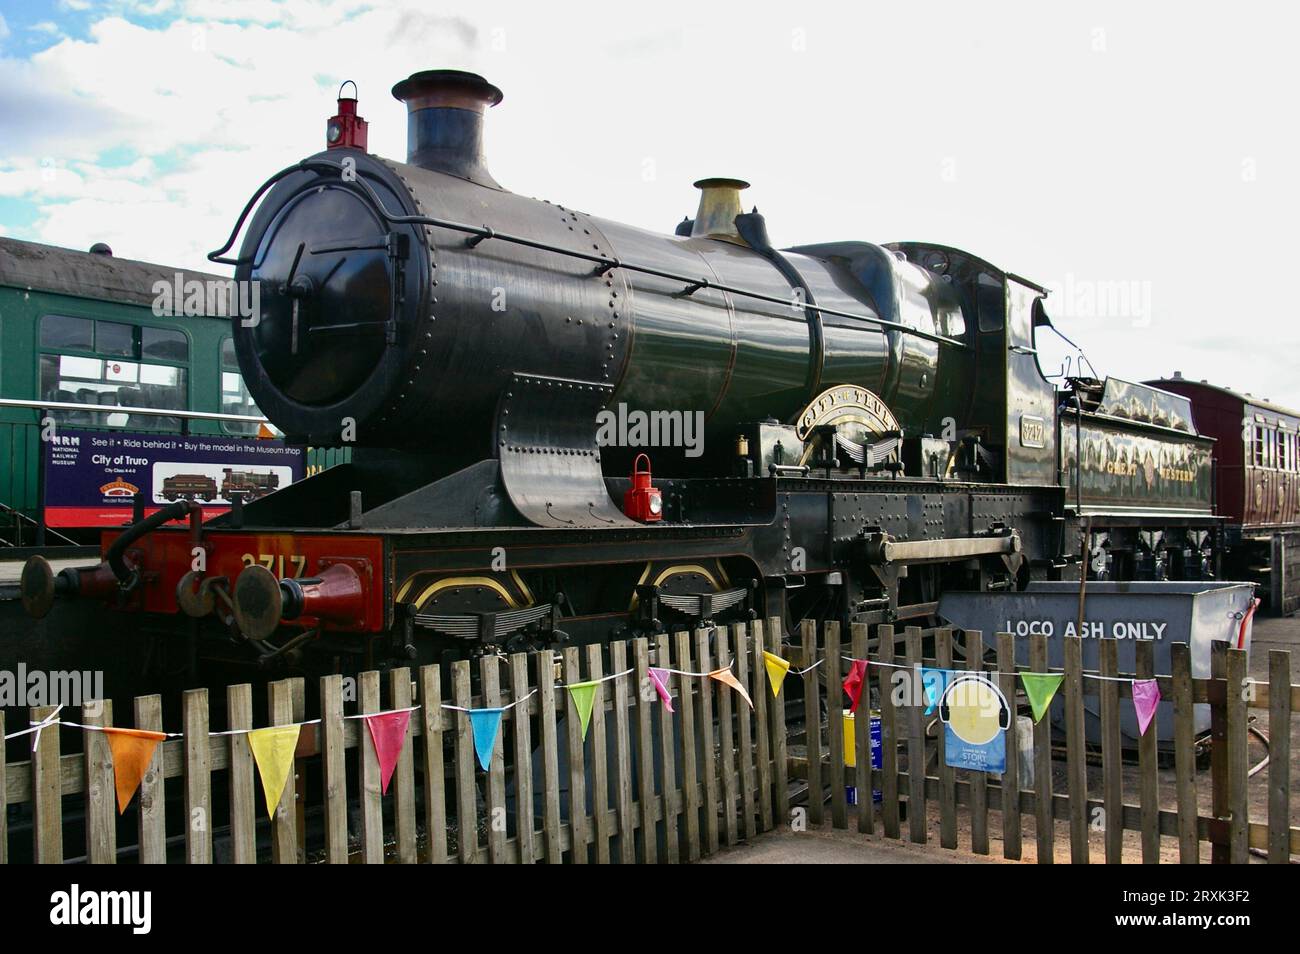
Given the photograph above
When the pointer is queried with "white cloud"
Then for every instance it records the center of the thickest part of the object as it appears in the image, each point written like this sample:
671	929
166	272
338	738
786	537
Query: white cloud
234	101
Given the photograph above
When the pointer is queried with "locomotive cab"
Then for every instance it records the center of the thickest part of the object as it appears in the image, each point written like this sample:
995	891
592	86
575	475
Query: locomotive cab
1007	406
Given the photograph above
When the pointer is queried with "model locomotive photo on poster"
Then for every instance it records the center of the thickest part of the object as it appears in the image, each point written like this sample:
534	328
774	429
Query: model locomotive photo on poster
92	477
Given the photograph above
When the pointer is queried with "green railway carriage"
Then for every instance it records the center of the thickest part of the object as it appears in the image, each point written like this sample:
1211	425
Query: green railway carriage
87	328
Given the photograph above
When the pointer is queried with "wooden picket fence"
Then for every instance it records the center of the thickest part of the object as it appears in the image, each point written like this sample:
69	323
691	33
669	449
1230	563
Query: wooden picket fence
670	787
1228	828
665	787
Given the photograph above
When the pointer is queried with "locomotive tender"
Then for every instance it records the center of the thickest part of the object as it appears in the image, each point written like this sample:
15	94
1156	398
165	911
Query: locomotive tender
874	426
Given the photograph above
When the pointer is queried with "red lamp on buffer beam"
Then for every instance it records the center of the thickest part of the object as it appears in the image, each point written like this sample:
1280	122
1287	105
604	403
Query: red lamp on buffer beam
642	501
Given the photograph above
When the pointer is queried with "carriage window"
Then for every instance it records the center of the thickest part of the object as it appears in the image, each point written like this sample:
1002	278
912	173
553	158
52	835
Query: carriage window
164	344
1257	445
122	385
1283	457
235	398
115	338
116	377
75	334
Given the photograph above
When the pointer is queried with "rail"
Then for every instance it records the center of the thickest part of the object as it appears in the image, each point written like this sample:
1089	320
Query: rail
124	409
20	520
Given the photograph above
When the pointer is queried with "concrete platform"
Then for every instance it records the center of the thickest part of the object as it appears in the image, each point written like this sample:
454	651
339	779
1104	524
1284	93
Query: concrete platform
830	847
11	572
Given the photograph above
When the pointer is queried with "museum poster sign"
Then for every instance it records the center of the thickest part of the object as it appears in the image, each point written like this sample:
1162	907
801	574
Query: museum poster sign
92	477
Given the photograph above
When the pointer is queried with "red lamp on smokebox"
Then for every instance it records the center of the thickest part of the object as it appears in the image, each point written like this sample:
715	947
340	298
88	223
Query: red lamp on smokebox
642	501
347	128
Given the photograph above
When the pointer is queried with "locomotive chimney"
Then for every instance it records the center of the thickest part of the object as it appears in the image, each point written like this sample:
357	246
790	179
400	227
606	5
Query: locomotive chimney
444	122
719	206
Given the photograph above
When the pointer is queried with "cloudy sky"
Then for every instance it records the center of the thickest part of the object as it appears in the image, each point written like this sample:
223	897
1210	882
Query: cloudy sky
1140	159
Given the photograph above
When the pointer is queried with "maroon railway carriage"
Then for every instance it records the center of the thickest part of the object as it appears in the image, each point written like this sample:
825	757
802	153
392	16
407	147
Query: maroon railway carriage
1257	485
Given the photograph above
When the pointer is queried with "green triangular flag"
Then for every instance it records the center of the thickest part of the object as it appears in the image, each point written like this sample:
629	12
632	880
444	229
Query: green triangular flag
1040	687
584	694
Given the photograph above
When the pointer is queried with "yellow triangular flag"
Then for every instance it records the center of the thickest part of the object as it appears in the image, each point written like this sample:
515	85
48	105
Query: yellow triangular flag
776	670
132	752
728	677
273	752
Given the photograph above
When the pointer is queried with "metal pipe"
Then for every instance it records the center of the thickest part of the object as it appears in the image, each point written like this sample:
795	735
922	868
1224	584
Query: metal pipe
117	551
1086	538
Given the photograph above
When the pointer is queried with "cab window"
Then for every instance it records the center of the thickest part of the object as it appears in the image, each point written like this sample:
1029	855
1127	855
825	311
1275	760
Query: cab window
991	302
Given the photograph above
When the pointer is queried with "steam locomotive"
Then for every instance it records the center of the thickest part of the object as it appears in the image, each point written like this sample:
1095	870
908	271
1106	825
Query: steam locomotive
569	429
245	482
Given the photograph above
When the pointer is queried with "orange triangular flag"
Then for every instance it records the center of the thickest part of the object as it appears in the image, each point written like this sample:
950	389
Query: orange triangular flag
728	677
264	432
132	751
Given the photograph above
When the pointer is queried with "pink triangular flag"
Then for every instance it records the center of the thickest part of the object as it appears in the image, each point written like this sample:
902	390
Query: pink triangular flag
388	733
660	679
1146	696
854	681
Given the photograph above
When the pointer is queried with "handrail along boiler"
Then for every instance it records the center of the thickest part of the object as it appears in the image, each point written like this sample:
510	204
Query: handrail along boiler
873	425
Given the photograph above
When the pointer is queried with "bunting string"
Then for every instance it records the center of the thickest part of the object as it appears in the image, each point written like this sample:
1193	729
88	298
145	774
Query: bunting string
593	682
808	669
518	702
998	672
367	715
273	747
108	728
283	725
51	719
683	672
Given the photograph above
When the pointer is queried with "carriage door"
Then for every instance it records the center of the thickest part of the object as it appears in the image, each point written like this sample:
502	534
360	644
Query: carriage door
1031	398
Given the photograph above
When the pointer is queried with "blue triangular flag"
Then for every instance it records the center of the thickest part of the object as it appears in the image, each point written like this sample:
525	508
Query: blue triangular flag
933	682
485	723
